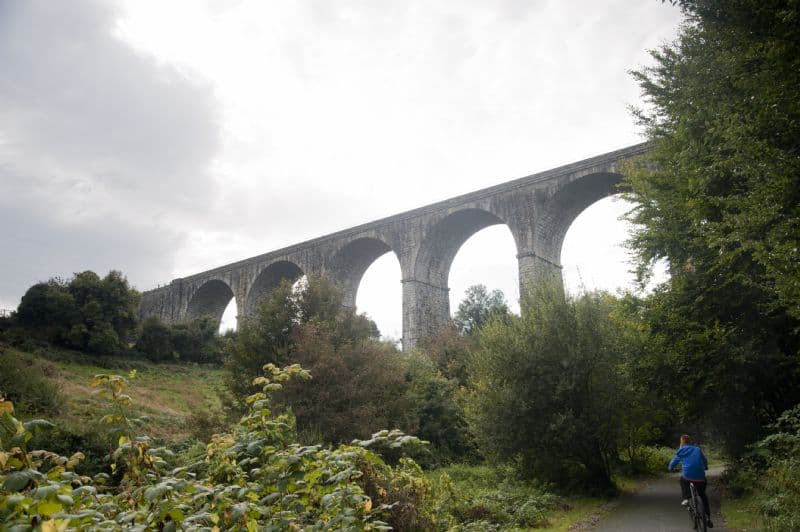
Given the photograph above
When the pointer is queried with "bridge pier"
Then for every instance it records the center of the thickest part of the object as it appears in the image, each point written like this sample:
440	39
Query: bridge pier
426	308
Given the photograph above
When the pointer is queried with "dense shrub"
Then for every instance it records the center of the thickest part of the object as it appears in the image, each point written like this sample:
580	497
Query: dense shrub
86	312
450	351
23	380
487	498
193	341
441	421
770	472
546	389
255	477
359	384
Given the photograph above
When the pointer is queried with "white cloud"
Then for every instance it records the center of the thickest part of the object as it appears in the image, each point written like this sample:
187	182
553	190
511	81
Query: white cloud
104	154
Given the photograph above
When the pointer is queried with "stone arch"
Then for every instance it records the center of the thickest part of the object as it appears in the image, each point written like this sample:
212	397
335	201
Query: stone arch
268	279
444	239
564	207
210	299
352	260
426	298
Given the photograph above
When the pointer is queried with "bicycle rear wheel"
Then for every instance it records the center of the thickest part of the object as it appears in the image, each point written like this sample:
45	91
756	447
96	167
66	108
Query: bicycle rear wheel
700	515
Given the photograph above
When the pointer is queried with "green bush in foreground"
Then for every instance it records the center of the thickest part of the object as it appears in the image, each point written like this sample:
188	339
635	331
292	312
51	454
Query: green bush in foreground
486	498
23	381
770	472
255	477
546	389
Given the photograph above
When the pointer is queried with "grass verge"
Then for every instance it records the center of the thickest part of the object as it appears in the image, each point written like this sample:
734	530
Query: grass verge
740	515
175	397
487	498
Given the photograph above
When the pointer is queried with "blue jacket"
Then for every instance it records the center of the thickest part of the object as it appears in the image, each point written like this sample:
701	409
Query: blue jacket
693	460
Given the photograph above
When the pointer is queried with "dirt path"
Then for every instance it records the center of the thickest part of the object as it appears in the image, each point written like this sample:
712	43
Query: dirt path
657	507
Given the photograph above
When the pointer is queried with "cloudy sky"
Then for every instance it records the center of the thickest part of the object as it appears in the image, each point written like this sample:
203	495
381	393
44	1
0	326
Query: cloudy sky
165	138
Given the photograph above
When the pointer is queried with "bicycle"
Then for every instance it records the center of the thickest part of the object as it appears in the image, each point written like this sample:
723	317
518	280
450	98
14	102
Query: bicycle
697	510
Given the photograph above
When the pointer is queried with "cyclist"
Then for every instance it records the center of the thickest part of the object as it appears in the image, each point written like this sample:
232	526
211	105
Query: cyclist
694	466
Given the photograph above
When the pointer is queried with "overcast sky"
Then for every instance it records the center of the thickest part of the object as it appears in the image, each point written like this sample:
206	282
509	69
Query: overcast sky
165	138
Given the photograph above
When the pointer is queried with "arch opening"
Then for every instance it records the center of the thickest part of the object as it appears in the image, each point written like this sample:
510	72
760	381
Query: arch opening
351	262
269	278
567	204
593	253
380	296
228	322
427	292
366	269
488	258
446	239
210	299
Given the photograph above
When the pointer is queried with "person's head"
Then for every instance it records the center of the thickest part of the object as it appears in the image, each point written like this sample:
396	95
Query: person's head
686	439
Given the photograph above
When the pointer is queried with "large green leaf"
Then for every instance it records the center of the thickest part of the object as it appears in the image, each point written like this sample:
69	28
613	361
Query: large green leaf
19	480
38	425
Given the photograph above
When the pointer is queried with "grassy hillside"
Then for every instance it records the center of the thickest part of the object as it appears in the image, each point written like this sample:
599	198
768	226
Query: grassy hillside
180	400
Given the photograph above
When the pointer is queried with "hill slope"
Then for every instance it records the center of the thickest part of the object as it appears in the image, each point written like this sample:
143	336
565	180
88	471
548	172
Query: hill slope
179	399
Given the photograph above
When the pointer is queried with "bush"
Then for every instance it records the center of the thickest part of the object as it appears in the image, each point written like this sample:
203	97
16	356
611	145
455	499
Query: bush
441	420
89	313
647	459
545	389
482	496
770	471
358	386
23	380
256	477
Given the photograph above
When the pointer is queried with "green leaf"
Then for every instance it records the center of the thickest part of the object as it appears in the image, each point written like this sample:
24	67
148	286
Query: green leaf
38	425
66	500
14	500
238	511
19	480
44	492
154	492
177	515
49	507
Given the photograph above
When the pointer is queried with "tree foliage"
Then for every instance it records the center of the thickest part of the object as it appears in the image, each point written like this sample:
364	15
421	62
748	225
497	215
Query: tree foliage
359	382
438	402
546	388
478	307
718	198
193	341
87	312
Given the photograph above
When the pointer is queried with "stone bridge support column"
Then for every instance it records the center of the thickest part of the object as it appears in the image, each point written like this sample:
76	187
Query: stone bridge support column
538	257
426	308
537	268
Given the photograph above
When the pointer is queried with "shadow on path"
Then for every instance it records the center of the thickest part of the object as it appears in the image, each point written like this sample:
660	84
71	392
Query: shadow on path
657	507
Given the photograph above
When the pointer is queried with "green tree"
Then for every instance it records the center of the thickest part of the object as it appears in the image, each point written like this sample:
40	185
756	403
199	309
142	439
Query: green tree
450	351
155	339
197	340
438	405
717	197
546	388
265	337
48	310
270	336
88	312
358	383
478	307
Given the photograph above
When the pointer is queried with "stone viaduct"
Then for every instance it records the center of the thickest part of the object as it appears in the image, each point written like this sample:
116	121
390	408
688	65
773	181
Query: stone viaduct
538	210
